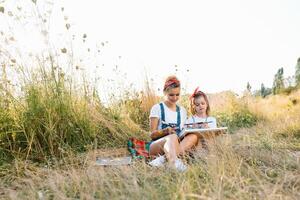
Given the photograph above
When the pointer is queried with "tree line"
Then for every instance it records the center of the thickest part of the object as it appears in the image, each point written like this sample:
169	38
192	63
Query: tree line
280	83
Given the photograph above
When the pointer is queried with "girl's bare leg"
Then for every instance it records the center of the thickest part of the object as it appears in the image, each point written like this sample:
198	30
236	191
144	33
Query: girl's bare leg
189	142
167	145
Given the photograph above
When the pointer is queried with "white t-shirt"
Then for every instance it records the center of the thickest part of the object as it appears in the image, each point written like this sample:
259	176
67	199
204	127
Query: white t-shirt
170	115
212	121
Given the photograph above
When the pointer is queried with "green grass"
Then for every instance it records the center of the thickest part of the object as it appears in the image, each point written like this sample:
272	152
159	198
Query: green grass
51	119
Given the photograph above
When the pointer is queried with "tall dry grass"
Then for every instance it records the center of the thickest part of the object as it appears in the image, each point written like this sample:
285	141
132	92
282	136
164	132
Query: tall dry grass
137	105
51	119
260	162
48	106
231	170
233	111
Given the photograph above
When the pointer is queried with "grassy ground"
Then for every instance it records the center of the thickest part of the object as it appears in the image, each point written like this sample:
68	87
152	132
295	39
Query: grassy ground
260	162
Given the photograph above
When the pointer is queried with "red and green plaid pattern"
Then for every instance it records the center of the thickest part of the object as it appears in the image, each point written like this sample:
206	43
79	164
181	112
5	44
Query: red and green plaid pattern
138	148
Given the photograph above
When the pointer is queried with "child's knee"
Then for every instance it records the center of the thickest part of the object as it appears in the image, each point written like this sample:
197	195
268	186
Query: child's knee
173	137
192	138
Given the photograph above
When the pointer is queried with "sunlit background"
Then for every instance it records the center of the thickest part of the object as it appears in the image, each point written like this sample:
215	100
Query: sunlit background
217	45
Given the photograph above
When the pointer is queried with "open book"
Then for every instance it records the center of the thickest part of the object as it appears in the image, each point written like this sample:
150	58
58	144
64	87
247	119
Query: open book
202	131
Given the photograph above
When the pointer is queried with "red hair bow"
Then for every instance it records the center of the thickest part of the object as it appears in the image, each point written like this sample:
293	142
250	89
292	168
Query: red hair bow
195	92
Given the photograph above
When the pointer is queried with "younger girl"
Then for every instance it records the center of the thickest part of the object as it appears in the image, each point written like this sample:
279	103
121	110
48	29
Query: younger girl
200	109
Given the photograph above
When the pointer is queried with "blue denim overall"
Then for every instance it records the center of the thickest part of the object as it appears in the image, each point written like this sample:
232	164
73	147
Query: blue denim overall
172	125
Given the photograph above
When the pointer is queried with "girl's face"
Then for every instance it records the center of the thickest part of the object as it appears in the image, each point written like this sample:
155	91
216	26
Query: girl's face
173	95
200	105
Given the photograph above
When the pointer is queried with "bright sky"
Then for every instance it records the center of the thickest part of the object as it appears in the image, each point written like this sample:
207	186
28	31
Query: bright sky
222	44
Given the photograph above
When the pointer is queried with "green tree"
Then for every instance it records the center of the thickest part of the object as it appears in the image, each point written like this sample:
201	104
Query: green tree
249	87
297	73
278	83
262	90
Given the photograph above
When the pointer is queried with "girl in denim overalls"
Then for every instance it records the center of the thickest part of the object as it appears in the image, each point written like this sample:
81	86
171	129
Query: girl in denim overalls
166	121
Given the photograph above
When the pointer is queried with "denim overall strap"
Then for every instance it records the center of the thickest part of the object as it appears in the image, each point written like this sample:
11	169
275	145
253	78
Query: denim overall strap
178	119
163	117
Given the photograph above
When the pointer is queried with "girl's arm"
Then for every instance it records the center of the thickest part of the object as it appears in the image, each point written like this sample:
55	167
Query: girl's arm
158	133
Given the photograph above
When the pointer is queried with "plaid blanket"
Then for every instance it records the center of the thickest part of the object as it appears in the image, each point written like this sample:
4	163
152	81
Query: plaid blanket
138	148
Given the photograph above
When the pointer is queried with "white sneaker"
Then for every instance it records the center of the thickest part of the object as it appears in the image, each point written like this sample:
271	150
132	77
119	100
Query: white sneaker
180	166
158	162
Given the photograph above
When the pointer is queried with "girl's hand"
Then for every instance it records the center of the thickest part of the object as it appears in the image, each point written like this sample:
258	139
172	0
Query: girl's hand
168	131
205	125
161	133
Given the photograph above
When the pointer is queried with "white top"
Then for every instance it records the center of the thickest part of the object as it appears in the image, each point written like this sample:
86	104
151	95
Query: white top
170	115
212	120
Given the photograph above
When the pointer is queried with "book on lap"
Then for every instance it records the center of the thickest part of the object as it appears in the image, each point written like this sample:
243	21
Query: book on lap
202	131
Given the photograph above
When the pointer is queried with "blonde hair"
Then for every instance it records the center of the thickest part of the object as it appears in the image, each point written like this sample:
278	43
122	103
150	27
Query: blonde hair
196	95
